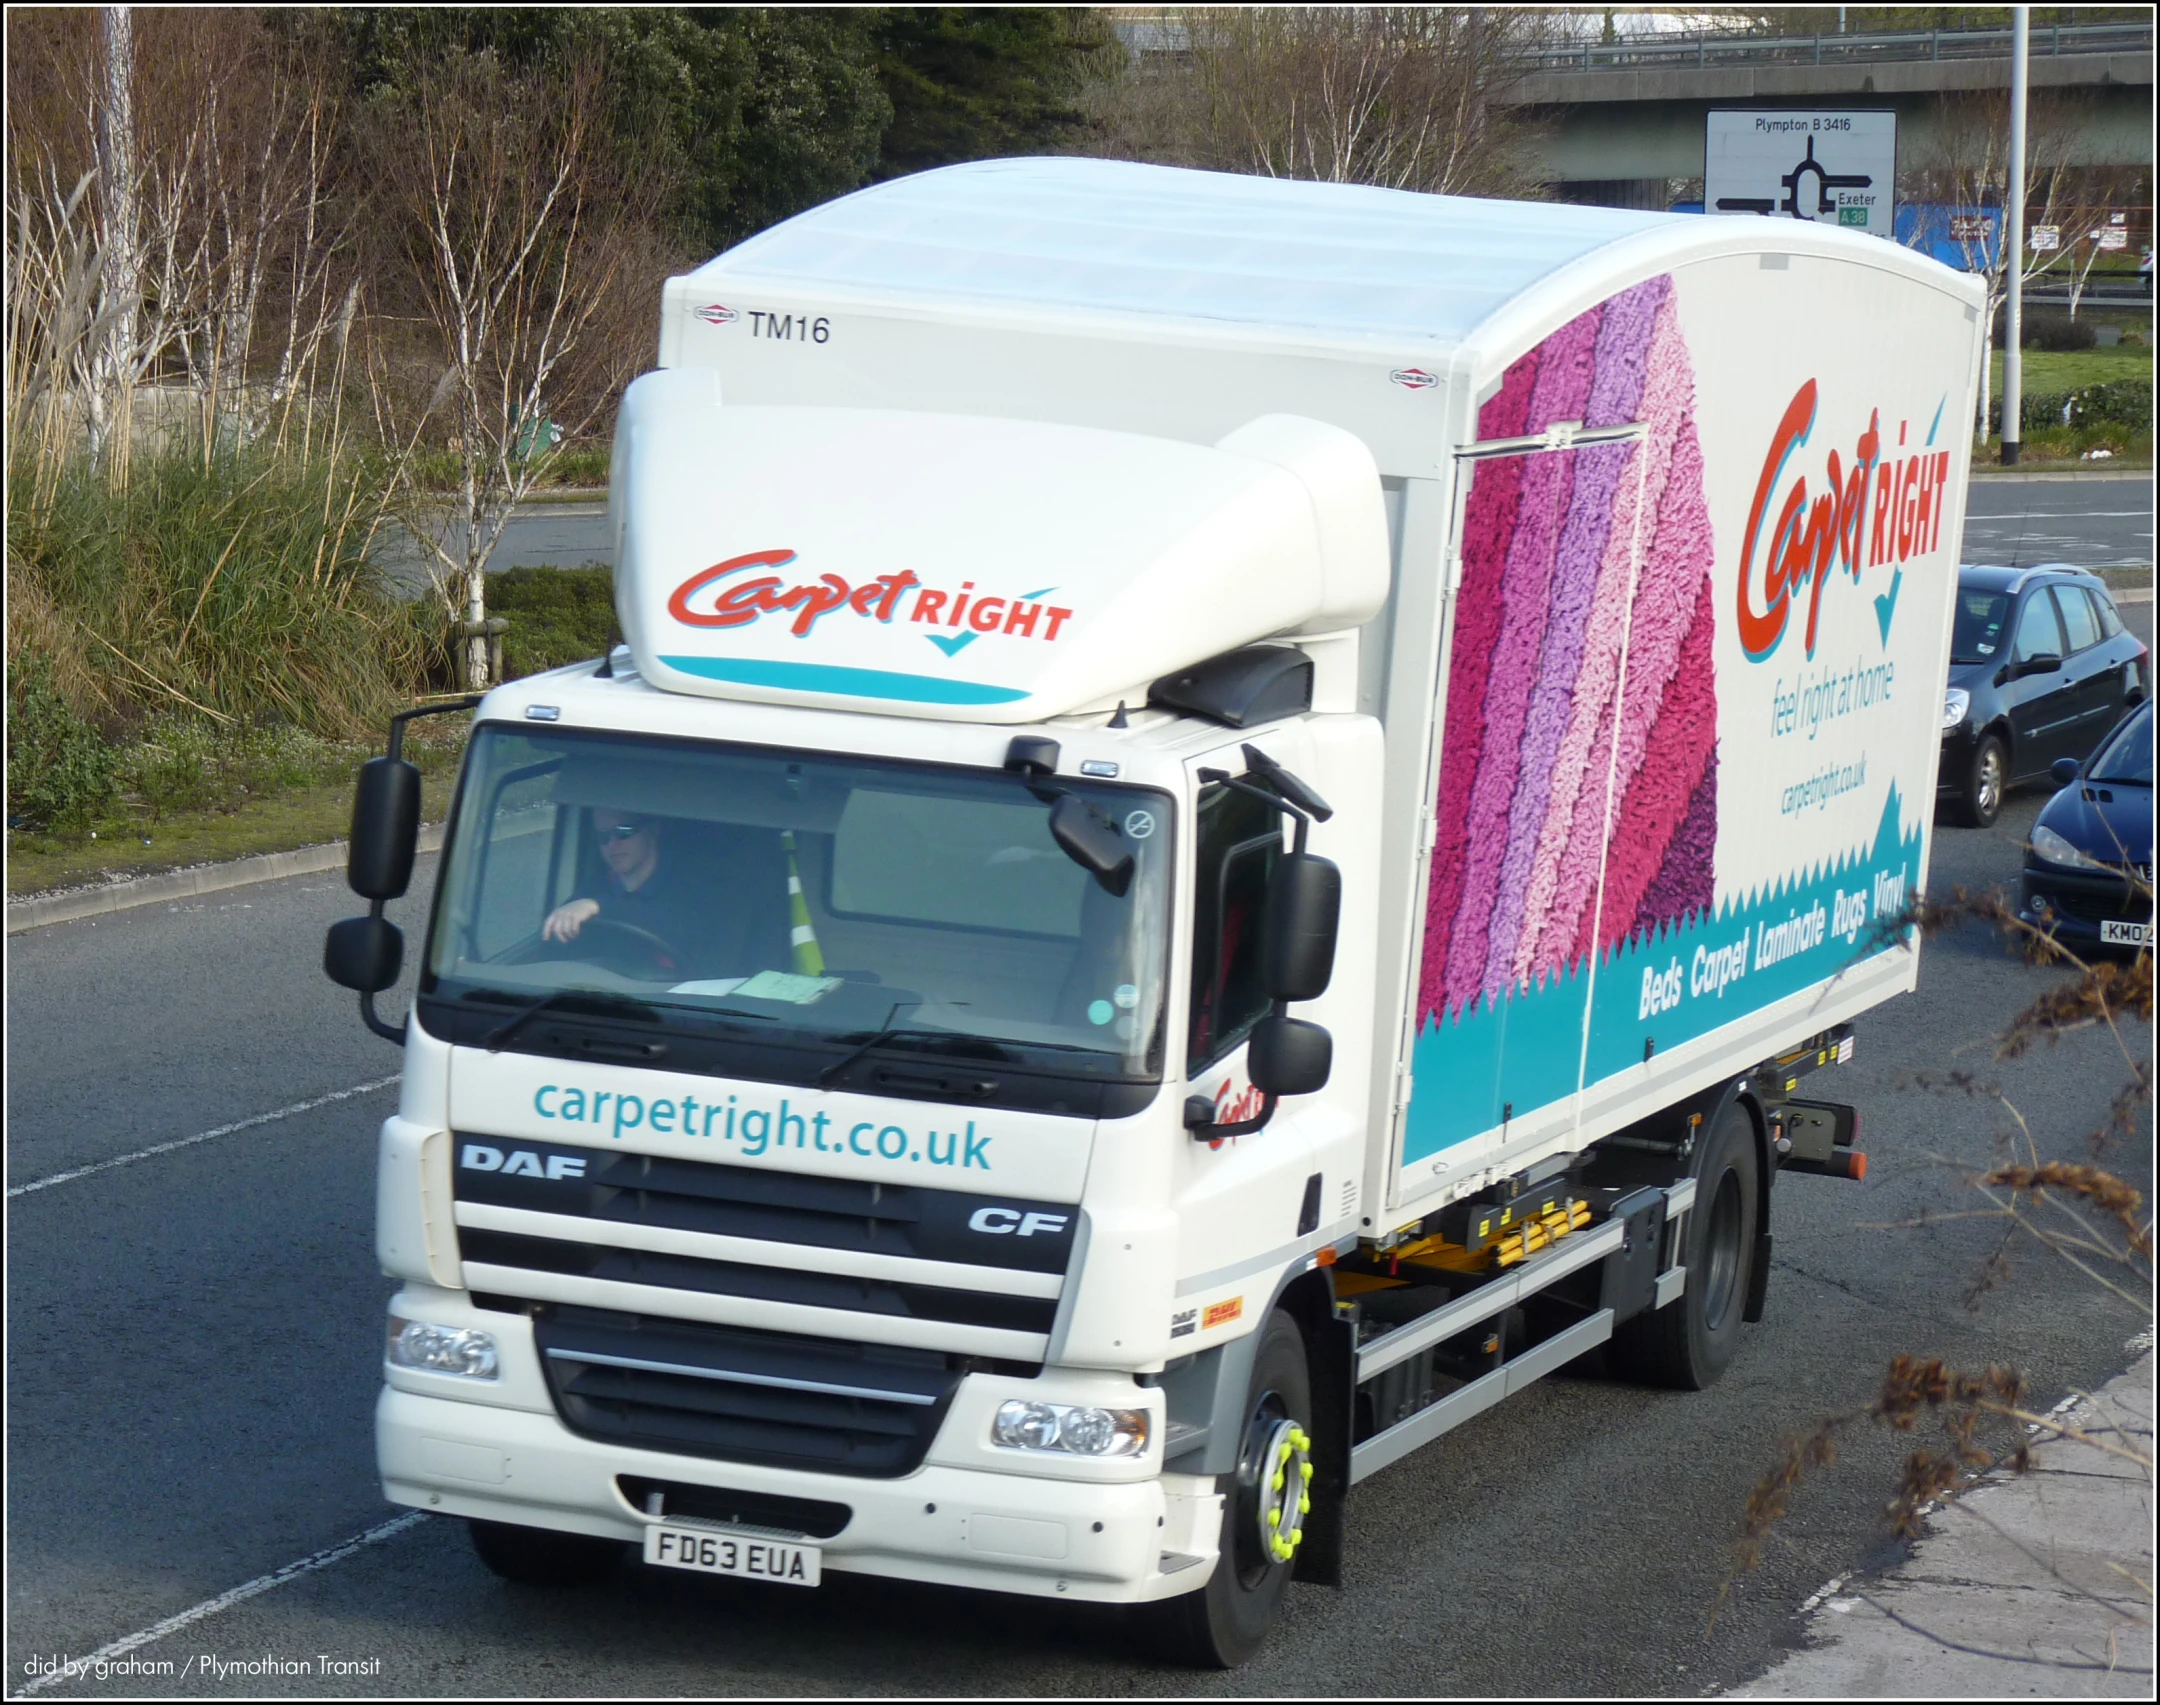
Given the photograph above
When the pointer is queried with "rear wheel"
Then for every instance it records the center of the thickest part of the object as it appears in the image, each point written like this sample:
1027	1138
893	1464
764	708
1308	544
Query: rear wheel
1687	1343
1986	781
540	1557
1266	1500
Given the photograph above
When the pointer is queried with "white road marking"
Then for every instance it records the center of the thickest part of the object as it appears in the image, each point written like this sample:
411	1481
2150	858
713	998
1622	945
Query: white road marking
120	1648
205	1136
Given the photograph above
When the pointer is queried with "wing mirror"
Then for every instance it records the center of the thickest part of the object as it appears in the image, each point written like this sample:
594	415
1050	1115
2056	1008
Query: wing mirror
1304	906
1094	845
364	954
385	829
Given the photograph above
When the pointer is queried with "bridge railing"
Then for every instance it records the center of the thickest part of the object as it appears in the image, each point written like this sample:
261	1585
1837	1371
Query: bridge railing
1682	52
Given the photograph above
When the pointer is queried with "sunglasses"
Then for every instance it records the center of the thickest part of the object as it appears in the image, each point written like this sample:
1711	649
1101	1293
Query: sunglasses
620	832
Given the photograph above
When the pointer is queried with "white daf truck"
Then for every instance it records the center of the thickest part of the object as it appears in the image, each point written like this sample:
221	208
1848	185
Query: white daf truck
1230	818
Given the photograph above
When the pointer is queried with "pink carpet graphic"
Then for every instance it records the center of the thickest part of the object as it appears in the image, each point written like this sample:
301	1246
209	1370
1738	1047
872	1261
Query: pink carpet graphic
1560	551
1581	715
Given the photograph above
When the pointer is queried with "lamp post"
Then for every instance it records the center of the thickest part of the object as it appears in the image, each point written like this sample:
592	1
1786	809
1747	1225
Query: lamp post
2014	242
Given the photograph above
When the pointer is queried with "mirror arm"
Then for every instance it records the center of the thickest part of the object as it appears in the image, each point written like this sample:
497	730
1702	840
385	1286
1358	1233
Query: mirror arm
388	1033
1274	801
469	701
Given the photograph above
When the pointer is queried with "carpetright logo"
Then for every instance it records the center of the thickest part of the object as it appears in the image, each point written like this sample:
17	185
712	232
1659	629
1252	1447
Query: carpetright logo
730	594
1879	510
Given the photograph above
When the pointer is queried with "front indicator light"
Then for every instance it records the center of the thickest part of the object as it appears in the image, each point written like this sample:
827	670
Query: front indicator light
442	1349
1079	1430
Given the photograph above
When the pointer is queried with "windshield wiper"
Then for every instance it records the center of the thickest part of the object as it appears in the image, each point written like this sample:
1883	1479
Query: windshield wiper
495	1039
890	1032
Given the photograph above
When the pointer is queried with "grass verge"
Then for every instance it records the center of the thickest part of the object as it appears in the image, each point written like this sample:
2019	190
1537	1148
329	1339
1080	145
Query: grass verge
144	835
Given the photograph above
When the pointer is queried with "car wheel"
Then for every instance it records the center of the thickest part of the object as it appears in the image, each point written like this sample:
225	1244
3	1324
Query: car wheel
1265	1503
1688	1343
1987	779
540	1557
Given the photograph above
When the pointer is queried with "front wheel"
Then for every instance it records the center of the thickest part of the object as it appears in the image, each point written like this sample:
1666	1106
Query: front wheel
1266	1501
1687	1343
540	1557
1985	783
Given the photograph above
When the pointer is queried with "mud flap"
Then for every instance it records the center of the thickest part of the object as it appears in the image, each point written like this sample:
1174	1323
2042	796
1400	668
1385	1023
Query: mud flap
1331	1347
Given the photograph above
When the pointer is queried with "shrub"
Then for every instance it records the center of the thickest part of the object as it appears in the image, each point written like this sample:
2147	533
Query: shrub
556	615
2049	329
2125	403
60	771
233	586
183	764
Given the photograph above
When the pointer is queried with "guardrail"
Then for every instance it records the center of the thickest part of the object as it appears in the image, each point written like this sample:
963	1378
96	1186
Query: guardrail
1669	53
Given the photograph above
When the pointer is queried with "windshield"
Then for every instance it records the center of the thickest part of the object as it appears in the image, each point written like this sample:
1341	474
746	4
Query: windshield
1977	635
2127	760
821	908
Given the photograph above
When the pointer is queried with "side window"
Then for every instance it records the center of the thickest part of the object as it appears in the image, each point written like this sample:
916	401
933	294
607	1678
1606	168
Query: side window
2038	633
1238	843
2077	618
2110	623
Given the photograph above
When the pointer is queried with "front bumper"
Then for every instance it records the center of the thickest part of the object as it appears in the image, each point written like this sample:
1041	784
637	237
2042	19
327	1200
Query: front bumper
2075	903
1120	1544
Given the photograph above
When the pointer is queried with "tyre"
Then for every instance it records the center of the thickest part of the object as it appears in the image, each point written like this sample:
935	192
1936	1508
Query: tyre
540	1557
1687	1344
1987	779
1265	1502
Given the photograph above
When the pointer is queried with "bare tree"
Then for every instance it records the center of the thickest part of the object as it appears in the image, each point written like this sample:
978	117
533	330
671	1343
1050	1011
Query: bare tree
1965	168
517	238
207	147
1403	97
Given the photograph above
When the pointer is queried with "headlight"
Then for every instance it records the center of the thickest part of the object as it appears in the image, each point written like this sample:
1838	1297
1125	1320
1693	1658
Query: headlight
1082	1431
1955	702
442	1349
2047	844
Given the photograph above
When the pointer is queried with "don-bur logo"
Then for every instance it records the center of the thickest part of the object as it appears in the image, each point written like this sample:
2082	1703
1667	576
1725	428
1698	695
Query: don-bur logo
716	314
884	599
1878	510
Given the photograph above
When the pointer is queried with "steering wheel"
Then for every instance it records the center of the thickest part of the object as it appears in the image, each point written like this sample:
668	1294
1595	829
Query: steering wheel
657	955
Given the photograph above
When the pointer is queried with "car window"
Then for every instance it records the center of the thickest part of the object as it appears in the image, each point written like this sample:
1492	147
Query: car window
2127	760
1980	620
2077	618
2038	633
2110	622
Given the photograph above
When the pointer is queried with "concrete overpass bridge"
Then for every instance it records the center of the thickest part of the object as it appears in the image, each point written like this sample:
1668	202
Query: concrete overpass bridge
1623	118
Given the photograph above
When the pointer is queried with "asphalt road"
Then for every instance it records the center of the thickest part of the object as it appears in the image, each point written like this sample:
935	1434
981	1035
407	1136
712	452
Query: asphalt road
193	1341
2094	523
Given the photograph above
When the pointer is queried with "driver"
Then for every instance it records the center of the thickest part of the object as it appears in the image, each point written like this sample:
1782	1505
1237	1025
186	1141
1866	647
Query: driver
728	920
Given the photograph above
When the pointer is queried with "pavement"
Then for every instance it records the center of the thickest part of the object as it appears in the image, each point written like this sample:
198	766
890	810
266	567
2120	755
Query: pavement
2032	1586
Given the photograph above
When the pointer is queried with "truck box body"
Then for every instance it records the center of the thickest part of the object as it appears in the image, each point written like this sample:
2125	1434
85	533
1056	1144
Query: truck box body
1647	789
1596	567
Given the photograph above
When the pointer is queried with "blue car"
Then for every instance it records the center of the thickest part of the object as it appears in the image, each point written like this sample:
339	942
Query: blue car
2089	864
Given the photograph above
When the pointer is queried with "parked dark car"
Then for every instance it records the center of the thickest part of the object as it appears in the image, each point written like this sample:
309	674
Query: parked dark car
2041	668
2088	865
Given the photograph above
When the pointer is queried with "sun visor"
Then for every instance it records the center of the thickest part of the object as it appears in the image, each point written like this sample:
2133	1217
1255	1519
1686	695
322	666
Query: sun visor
969	568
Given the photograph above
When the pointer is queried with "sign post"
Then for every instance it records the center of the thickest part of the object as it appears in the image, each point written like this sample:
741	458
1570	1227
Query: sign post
1835	167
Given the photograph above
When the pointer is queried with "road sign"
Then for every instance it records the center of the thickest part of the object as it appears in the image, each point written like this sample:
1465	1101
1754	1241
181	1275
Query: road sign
1832	167
2046	237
